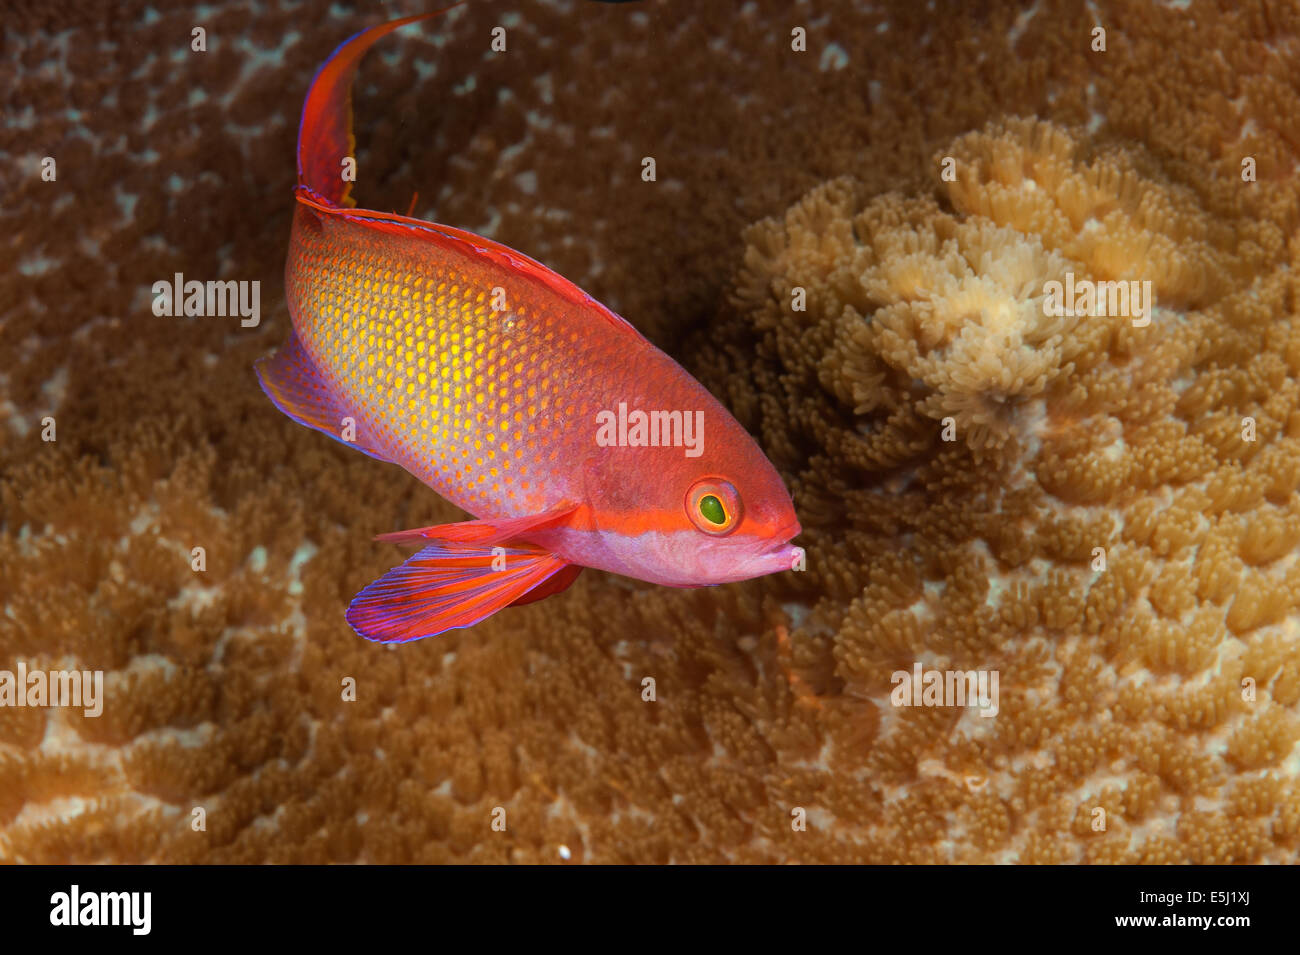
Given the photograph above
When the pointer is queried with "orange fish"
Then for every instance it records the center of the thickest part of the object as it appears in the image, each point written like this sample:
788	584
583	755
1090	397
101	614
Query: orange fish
513	394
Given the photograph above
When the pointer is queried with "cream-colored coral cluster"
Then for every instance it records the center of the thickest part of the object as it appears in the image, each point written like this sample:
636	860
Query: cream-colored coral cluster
1105	508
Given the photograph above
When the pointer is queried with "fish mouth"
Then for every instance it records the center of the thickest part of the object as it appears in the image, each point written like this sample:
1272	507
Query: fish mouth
780	554
781	539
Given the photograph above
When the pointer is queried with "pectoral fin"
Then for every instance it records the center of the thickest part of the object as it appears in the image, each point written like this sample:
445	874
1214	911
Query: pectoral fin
482	532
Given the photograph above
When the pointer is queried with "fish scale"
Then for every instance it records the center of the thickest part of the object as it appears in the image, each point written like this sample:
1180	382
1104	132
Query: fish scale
463	396
485	375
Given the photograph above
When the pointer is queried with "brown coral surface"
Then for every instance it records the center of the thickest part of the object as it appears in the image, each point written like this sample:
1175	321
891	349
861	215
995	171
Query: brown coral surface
1113	525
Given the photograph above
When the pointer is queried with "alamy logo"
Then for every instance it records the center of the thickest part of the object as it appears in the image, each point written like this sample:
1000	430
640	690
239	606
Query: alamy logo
1088	299
102	908
651	429
924	687
73	688
209	299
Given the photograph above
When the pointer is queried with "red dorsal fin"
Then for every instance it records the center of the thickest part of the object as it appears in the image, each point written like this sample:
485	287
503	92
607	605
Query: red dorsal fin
446	586
325	139
325	131
479	247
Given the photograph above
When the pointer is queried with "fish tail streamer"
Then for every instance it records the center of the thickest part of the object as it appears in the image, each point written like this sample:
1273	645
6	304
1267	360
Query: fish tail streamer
325	138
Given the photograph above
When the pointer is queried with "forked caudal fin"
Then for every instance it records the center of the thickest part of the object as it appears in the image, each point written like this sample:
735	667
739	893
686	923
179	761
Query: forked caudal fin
325	131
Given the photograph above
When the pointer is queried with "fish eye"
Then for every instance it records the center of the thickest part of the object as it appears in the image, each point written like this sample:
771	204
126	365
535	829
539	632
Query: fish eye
713	506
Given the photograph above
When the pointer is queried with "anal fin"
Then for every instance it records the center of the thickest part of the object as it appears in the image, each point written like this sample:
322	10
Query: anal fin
294	384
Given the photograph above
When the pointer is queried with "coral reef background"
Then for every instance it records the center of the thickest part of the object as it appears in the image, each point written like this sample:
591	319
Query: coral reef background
1120	689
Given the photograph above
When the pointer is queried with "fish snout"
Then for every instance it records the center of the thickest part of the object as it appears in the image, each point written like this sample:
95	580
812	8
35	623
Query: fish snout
776	553
783	557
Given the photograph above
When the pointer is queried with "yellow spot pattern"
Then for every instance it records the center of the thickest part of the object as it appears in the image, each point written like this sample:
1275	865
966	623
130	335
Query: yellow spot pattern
466	397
